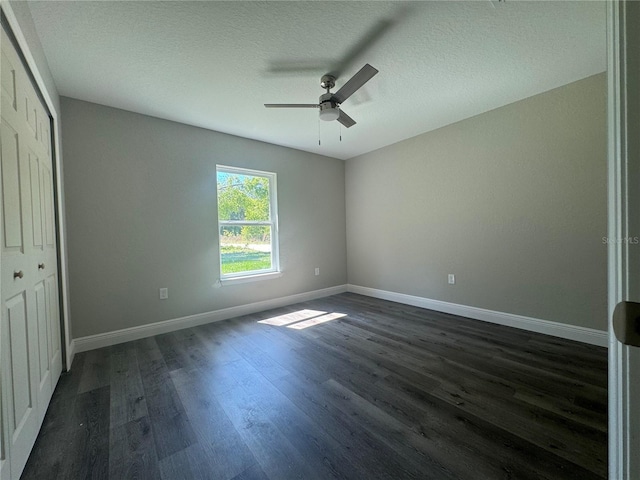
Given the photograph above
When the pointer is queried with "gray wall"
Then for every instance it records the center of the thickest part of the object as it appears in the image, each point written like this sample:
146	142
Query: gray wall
141	214
513	202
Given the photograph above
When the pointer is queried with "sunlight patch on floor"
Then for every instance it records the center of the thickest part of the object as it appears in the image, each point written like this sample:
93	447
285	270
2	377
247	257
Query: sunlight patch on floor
292	317
302	319
316	321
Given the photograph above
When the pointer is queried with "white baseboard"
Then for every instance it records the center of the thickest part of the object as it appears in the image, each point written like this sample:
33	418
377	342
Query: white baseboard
570	332
71	353
100	340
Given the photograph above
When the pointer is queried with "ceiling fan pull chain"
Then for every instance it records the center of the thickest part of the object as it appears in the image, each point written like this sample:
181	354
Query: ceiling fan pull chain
340	132
318	131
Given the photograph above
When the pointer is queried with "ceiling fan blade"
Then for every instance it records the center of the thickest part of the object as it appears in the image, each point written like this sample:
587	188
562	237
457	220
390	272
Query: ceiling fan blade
374	34
346	120
354	83
337	67
291	105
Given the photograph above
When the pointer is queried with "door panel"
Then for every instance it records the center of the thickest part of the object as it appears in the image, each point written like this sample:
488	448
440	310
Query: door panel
46	140
12	217
19	357
30	114
23	419
48	206
41	313
8	80
55	340
4	464
36	200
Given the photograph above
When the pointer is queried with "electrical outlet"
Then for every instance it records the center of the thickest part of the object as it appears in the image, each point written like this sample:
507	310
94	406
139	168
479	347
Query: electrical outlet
317	271
452	279
164	293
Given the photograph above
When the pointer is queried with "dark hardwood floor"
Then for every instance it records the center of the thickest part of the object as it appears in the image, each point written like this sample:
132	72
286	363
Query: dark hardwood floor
386	391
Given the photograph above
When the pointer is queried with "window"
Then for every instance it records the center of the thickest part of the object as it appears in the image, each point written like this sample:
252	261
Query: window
247	222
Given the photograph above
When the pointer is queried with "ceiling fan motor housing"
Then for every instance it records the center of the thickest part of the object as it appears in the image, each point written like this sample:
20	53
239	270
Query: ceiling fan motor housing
328	108
328	81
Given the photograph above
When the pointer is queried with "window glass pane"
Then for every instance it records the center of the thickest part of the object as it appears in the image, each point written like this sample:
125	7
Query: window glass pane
245	248
243	197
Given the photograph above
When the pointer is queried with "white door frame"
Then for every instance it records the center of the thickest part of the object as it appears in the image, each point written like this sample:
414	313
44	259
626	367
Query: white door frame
624	191
57	160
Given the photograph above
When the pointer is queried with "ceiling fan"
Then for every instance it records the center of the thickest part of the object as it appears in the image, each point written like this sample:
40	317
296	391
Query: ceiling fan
329	103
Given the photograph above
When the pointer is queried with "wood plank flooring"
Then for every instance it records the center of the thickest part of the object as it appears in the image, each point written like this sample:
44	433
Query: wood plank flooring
384	391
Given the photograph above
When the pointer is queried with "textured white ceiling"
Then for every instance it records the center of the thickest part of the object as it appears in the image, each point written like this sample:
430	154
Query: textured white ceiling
214	64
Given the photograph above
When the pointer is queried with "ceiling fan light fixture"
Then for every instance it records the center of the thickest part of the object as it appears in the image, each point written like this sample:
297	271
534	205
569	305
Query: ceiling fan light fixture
329	112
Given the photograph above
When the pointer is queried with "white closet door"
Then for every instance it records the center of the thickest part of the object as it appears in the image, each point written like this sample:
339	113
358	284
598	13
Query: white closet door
30	347
4	461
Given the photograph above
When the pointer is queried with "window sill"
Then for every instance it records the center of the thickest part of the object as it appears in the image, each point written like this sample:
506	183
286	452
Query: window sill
250	278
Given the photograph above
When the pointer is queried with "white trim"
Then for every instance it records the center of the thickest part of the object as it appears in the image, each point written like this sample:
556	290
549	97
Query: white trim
100	340
570	332
624	421
615	250
249	278
272	222
64	274
71	353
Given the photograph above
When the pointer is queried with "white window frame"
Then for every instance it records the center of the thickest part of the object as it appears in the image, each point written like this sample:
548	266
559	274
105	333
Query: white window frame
274	271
